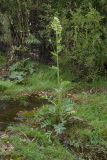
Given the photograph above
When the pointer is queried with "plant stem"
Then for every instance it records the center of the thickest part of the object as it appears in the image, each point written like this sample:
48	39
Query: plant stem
58	75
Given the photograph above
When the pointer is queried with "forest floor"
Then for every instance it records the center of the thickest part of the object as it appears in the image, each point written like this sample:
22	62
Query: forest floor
85	137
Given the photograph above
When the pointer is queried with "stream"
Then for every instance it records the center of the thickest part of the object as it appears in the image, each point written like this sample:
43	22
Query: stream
9	111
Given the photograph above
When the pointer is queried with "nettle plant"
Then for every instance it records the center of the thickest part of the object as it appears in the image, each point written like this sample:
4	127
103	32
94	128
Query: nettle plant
54	116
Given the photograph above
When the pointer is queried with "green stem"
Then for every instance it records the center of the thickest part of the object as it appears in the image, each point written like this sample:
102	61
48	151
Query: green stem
58	75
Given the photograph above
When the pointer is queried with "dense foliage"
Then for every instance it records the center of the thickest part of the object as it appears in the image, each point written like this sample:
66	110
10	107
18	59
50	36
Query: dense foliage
25	32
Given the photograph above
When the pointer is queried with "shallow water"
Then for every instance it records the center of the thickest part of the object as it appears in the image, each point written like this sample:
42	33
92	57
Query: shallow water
9	110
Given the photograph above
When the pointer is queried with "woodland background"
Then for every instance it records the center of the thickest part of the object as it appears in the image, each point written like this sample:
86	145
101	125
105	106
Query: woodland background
25	33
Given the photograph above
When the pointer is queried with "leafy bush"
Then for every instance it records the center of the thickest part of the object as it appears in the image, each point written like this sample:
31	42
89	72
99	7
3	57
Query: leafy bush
50	119
84	50
20	70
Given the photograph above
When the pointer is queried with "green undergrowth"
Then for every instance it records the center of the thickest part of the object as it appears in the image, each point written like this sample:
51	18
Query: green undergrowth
94	110
94	87
43	79
84	136
31	144
89	136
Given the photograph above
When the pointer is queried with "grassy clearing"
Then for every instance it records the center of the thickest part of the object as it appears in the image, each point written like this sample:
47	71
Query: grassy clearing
85	138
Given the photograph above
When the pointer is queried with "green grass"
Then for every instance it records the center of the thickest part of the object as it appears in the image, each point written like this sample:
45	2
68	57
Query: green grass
96	86
93	133
31	144
43	79
92	110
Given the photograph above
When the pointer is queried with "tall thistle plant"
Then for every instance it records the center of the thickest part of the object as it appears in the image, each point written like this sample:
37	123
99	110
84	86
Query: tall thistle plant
56	26
54	116
61	85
